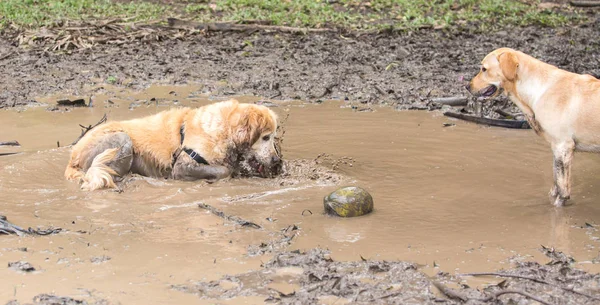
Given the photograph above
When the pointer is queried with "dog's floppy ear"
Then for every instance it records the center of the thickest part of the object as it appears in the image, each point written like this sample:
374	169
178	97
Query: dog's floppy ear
508	64
246	127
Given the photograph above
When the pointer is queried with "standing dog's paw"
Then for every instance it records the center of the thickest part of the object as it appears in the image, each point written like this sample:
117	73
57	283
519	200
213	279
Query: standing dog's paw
553	192
560	201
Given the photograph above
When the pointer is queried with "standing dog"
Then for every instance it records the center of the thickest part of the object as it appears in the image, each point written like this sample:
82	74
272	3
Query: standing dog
211	142
561	106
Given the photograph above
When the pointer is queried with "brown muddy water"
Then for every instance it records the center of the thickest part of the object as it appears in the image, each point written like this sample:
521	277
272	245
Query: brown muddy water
458	199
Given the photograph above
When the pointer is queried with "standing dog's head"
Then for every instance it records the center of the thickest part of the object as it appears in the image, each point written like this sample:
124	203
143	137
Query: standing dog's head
498	72
253	129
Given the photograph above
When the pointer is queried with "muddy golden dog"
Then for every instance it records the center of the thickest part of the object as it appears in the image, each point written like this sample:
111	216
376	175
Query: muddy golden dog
211	142
560	106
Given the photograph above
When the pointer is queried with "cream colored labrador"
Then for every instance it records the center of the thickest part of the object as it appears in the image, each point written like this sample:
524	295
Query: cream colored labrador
561	106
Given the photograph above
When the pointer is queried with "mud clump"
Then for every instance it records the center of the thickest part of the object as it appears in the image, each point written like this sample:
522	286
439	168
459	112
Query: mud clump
348	201
315	277
21	266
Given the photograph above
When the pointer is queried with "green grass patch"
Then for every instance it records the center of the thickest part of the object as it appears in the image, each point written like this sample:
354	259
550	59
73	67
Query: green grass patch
349	14
36	13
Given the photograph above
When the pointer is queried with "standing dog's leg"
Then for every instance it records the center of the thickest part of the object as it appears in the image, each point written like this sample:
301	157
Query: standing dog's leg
563	157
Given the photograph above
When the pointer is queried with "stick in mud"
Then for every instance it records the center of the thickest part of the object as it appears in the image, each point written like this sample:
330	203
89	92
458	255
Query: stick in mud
10	143
572	290
9	228
455	295
451	101
90	127
238	220
491	122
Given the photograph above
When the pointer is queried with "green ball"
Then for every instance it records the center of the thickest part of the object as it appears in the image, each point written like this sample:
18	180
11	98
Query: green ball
348	201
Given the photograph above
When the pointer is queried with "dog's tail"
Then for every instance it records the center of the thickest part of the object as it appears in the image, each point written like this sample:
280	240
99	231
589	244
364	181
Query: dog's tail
100	175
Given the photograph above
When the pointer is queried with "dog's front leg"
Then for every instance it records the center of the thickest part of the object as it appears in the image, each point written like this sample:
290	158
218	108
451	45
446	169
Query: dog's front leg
191	170
563	158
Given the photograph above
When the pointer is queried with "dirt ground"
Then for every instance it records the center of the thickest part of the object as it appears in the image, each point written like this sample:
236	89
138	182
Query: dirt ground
398	69
403	70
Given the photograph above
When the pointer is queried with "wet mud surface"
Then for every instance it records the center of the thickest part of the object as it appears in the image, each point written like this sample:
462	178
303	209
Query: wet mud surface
406	70
450	197
313	277
438	214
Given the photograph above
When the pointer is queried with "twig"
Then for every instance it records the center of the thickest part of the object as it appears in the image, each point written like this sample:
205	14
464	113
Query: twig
584	3
9	154
572	290
9	54
238	220
90	127
10	143
307	210
521	292
227	26
451	101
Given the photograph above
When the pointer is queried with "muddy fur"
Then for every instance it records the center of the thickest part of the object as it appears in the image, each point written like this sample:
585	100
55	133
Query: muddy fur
228	136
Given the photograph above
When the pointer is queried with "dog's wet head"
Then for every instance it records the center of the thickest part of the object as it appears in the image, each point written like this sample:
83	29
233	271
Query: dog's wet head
255	151
498	71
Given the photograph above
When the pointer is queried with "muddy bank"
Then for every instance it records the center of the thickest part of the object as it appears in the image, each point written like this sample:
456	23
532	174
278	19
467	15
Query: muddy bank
313	277
399	69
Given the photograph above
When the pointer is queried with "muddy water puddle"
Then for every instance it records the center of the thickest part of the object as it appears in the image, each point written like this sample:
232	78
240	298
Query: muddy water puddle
460	199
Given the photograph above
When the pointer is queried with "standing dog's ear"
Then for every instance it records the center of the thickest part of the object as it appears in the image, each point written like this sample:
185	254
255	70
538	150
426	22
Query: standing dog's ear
508	64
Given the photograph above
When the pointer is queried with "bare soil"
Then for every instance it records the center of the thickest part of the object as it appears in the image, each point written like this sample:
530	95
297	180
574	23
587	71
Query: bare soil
403	70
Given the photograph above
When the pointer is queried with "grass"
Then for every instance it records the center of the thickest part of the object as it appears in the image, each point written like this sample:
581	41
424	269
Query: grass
350	14
36	13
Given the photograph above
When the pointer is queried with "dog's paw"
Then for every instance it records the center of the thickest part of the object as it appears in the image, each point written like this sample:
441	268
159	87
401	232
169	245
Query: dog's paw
553	192
560	201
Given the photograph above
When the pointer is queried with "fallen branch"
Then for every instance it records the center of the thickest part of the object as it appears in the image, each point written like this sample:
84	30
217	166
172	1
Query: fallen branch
9	154
521	292
537	280
238	220
228	26
491	122
10	143
451	101
9	228
90	127
585	3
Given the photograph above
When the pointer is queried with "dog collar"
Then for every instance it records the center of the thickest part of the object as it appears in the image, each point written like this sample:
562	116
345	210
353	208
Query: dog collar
192	153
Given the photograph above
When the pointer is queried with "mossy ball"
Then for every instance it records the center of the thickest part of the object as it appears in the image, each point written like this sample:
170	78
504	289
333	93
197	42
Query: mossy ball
348	201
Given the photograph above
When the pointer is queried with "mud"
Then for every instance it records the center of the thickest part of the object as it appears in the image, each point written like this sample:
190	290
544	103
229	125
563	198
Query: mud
454	200
313	277
450	197
405	70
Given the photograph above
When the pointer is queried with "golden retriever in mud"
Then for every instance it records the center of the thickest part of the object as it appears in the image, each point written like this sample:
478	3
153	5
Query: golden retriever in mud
210	142
561	106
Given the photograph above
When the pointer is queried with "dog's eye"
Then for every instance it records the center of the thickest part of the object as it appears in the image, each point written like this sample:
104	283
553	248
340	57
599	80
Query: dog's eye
266	138
483	69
